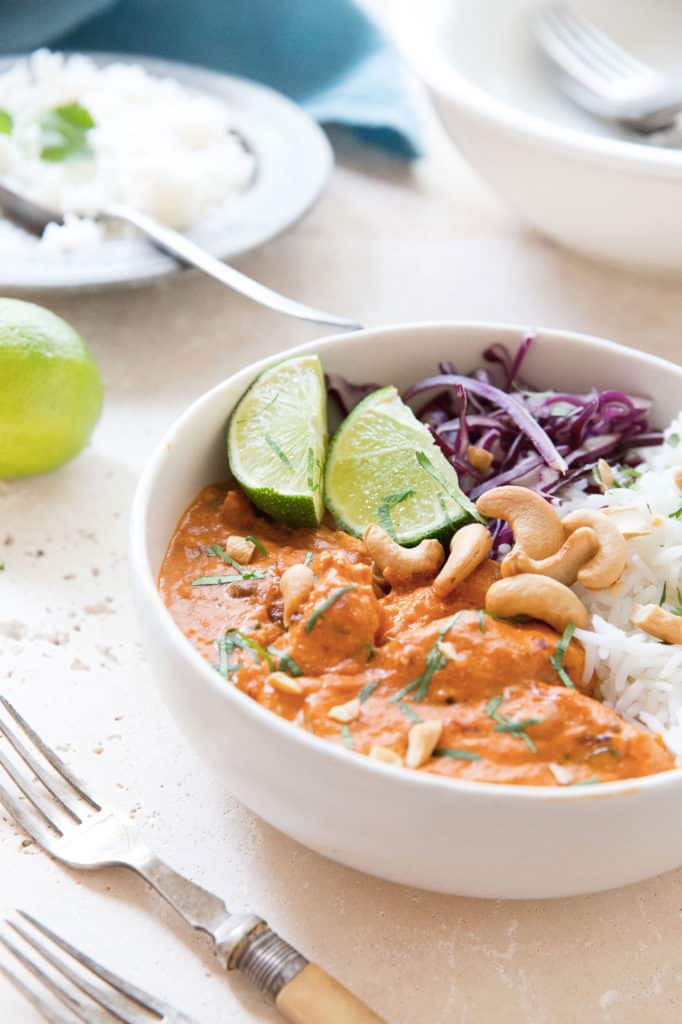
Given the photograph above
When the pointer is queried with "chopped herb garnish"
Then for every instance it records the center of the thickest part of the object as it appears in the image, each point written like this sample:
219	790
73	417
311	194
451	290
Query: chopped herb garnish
285	662
324	605
663	594
560	408
233	638
246	574
404	690
435	661
677	514
347	737
458	496
282	456
516	728
6	122
389	503
492	705
257	544
673	440
2	566
367	691
459	755
64	133
308	558
586	782
225	647
213	581
481	620
557	659
409	712
626	476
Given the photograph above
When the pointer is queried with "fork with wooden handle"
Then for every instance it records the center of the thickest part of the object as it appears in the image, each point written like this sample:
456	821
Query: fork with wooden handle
68	821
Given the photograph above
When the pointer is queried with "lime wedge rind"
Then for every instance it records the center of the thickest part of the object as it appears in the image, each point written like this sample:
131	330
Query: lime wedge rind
277	439
384	467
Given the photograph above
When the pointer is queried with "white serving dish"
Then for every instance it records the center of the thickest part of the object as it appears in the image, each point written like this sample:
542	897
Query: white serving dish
587	185
456	837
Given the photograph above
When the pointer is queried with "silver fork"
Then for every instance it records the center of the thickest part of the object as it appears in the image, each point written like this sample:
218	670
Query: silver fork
95	995
602	77
68	821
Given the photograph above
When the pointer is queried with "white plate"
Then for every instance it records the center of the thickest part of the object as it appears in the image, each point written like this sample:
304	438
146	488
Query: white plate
293	163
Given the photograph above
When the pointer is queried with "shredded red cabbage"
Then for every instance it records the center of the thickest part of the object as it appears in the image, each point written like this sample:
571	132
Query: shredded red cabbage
544	440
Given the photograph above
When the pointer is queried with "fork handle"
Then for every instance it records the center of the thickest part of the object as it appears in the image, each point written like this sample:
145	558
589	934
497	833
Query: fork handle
188	253
303	993
314	997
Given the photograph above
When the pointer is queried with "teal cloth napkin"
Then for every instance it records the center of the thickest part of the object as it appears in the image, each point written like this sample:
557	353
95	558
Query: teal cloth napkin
328	55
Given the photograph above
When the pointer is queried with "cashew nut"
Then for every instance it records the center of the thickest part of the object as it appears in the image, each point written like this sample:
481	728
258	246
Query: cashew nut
609	563
296	583
422	740
562	775
564	565
468	548
386	755
658	622
539	597
480	458
283	683
630	520
605	474
240	548
345	713
398	564
537	527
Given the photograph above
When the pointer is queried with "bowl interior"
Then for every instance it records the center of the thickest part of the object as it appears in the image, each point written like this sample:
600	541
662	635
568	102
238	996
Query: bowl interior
490	45
193	452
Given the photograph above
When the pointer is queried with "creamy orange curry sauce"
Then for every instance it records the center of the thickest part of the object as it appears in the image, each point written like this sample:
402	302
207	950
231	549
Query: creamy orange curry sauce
507	716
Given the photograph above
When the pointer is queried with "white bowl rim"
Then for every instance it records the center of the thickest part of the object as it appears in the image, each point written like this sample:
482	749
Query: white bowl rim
418	38
176	639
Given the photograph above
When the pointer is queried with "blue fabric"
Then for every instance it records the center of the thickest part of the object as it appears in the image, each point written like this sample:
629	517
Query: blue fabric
326	54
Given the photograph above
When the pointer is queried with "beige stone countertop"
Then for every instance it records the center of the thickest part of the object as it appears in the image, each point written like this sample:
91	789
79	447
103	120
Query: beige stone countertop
386	243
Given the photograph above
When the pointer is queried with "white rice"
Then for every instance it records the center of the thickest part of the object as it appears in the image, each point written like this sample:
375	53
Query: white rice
640	677
157	146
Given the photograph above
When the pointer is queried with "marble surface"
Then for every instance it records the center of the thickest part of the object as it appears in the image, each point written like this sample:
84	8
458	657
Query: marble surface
387	243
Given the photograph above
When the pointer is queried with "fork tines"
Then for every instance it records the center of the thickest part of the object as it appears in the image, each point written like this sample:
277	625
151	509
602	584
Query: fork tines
57	799
70	979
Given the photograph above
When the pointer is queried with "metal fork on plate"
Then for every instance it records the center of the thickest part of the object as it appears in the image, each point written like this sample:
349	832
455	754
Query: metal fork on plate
68	821
603	78
91	992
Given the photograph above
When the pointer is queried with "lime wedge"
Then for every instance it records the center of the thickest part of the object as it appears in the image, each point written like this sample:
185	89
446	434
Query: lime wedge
384	467
276	441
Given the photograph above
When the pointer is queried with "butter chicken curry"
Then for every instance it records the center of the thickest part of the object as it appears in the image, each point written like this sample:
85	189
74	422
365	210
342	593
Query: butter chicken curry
301	621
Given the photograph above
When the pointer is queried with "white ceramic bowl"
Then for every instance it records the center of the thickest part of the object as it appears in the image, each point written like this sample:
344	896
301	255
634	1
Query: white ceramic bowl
457	837
585	184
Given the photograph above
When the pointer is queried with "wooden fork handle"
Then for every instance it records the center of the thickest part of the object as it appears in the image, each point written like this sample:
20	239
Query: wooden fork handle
314	997
302	992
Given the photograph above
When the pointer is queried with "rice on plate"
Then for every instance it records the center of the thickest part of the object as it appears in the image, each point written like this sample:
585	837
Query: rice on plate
640	677
77	136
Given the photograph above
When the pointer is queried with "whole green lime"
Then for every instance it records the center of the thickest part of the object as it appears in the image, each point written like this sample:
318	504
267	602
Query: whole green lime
50	390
